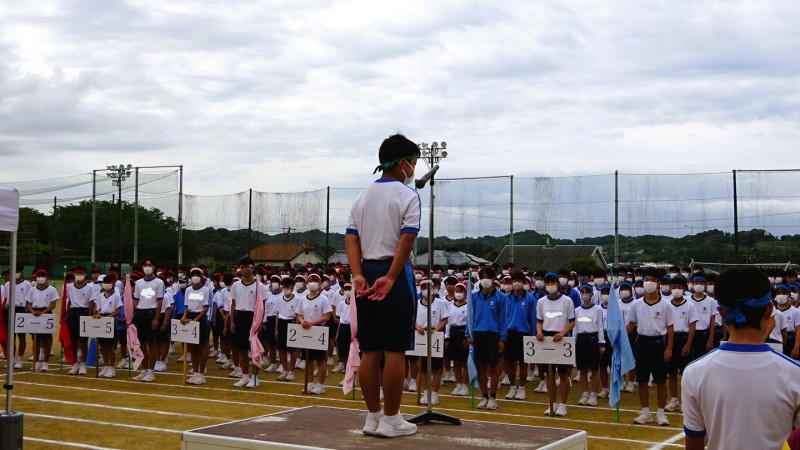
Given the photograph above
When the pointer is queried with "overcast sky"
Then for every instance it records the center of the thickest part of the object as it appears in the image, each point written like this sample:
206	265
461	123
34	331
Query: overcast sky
296	95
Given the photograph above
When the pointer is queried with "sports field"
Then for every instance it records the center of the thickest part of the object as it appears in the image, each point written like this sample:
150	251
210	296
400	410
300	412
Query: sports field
84	412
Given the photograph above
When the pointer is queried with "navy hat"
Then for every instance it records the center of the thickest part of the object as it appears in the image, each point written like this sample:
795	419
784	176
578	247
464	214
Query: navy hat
551	275
625	284
699	277
783	286
587	287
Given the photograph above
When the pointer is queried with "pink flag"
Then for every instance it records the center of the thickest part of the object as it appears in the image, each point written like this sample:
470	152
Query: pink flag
256	349
353	360
134	347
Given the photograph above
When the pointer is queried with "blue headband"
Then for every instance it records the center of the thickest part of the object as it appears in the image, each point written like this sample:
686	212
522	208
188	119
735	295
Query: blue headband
736	315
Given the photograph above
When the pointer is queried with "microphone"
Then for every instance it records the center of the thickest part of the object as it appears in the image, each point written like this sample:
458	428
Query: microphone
420	183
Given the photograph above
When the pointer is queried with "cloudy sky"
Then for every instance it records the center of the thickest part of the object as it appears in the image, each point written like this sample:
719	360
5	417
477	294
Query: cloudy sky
296	95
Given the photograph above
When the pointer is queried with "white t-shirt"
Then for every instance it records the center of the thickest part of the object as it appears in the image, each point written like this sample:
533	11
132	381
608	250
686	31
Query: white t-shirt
226	299
439	312
196	299
313	310
107	305
685	314
380	214
741	396
81	297
244	296
706	309
287	308
780	324
168	301
41	298
148	293
343	313
271	304
589	320
625	308
20	292
791	317
652	320
555	314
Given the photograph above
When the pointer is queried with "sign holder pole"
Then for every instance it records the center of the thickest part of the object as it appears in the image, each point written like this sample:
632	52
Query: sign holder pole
35	352
551	387
185	364
97	358
305	375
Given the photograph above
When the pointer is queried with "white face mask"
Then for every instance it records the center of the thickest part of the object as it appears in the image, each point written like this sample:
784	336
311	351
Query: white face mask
586	297
710	288
287	292
778	280
106	286
196	280
459	296
604	298
699	288
326	284
299	286
664	289
313	286
41	280
417	276
795	295
592	283
782	299
640	291
459	276
625	294
571	283
506	272
424	292
80	277
551	288
599	282
435	276
222	284
685	275
148	270
284	276
486	283
539	284
562	281
650	286
275	286
181	285
409	178
526	287
677	293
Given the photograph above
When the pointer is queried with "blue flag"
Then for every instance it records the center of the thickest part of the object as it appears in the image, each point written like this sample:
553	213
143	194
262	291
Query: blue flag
622	360
472	370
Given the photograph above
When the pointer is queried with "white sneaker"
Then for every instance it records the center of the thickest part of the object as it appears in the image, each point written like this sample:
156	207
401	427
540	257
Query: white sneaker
395	426
300	365
434	398
140	376
372	423
561	410
504	381
482	404
272	368
584	398
30	358
331	361
673	405
161	366
577	378
339	368
110	373
456	391
236	373
290	376
558	381
18	363
242	383
464	390
149	378
319	389
214	353
423	399
492	403
74	369
180	359
192	379
123	364
512	393
661	420
202	378
547	412
282	376
227	365
103	371
592	399
520	394
542	388
531	376
44	367
405	384
412	386
252	383
629	387
37	367
643	418
220	359
603	393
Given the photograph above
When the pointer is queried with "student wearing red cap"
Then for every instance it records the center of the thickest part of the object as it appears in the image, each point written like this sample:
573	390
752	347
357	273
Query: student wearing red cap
42	300
82	296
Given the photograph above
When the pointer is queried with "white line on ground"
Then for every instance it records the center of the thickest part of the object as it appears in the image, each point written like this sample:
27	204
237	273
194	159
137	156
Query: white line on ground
668	442
66	444
117	408
110	424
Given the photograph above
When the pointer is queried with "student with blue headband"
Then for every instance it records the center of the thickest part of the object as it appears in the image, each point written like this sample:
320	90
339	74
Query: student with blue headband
728	395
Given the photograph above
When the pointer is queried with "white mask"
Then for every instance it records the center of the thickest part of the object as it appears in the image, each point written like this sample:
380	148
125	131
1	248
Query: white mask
526	287
41	280
640	291
664	289
782	299
677	293
181	285
195	279
699	288
222	284
586	297
19	275
284	276
80	277
592	283
313	286
486	283
563	281
685	275
650	286
435	276
459	275
424	293
275	286
625	294
550	289
409	178
148	270
106	286
604	298
326	284
287	292
539	284
417	276
571	283
795	295
710	288
778	280
299	285
459	296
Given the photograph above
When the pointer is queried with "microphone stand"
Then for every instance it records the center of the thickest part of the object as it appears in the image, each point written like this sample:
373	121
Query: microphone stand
430	416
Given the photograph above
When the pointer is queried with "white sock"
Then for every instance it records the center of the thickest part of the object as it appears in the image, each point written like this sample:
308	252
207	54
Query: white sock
645	410
660	411
374	415
674	399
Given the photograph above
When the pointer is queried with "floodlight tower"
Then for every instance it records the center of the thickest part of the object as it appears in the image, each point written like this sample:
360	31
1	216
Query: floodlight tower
118	175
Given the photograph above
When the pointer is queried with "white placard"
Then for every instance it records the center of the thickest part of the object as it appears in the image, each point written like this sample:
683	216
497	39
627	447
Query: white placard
421	345
28	323
189	333
777	347
96	328
314	338
547	351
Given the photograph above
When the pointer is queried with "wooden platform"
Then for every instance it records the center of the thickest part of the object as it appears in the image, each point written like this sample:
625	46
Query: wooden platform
337	428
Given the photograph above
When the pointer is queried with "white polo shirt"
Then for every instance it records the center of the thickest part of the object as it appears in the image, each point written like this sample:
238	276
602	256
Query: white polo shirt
287	308
108	304
380	214
271	304
313	310
741	396
41	298
81	297
555	314
245	295
685	314
20	292
706	309
148	293
652	320
439	312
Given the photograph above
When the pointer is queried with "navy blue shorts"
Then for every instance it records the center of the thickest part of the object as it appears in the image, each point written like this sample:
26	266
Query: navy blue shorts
387	325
